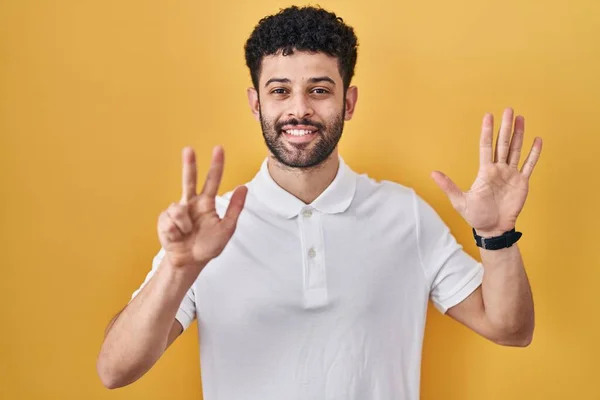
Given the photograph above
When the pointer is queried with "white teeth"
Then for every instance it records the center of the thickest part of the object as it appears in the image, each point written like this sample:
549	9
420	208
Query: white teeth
297	132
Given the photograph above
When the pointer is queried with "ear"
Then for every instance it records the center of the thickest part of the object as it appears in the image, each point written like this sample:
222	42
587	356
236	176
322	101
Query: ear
351	99
254	103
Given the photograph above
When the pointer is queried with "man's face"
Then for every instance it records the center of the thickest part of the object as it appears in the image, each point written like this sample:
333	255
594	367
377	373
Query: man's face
301	107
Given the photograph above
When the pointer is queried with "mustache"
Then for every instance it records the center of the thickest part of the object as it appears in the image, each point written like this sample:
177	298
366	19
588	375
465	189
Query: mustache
304	121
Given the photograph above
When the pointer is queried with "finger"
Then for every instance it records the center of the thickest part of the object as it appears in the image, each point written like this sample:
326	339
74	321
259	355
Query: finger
486	139
215	173
453	192
236	205
167	228
504	132
189	175
516	143
532	157
179	214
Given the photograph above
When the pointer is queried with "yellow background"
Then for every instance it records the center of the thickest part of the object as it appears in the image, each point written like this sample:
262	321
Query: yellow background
97	98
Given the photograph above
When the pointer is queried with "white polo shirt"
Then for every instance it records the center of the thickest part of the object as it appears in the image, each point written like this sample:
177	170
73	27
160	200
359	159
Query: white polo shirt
325	301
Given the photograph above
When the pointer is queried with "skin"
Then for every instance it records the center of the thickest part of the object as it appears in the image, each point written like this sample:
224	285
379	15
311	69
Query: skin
501	309
302	97
308	89
192	234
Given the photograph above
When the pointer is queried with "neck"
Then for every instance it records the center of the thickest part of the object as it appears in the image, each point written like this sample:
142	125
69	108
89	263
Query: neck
305	183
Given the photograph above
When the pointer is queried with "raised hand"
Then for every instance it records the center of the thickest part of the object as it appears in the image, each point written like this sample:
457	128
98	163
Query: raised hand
498	194
191	231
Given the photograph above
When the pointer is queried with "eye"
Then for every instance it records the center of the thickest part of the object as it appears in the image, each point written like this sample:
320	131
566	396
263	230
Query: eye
320	91
278	91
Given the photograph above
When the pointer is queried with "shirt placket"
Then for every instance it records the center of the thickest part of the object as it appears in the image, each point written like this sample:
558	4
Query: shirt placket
313	260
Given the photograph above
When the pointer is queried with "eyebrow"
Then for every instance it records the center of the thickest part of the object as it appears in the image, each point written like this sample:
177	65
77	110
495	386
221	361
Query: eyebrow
322	79
311	80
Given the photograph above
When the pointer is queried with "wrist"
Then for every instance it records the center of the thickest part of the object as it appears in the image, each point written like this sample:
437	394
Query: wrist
491	233
496	240
182	276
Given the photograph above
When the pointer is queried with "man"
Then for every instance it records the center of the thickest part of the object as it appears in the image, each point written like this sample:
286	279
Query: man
311	281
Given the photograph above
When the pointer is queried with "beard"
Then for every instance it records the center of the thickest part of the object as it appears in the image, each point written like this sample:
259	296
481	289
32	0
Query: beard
303	155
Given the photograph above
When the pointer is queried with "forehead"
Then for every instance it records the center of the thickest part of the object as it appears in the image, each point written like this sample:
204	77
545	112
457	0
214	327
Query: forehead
299	66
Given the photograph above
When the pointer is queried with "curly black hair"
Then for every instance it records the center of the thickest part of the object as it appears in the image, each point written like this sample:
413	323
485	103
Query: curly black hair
304	29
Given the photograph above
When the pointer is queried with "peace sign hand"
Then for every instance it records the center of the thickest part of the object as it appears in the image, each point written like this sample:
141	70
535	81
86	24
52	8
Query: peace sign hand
191	231
498	194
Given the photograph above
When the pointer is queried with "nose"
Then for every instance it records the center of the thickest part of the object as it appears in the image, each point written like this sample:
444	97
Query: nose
300	107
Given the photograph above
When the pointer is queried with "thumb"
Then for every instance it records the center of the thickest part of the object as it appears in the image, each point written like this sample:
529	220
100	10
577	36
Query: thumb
236	205
452	191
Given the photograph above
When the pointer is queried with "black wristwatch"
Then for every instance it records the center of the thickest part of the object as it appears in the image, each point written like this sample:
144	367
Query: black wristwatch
505	240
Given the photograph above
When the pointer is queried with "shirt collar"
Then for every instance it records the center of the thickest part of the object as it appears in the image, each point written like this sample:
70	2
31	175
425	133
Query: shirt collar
336	198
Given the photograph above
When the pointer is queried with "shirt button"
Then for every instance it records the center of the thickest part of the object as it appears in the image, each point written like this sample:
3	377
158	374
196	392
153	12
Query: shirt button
312	253
307	213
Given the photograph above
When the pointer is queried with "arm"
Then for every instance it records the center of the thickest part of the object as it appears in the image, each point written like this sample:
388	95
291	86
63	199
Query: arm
137	337
191	234
174	334
501	309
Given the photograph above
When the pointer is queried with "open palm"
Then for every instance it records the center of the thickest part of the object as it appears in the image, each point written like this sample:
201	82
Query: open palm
498	195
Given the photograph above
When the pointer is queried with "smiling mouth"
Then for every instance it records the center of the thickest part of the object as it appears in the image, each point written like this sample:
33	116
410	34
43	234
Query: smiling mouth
299	132
299	136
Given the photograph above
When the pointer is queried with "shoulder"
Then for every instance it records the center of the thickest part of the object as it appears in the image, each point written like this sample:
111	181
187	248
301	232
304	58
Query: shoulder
384	191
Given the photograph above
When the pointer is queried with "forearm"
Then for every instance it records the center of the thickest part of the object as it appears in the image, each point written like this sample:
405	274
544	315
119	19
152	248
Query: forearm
136	339
507	295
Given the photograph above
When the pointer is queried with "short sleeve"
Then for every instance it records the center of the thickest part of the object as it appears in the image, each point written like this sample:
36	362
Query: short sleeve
187	310
451	273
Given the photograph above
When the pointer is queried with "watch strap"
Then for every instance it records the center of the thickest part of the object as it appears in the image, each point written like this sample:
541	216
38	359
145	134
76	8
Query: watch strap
505	240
